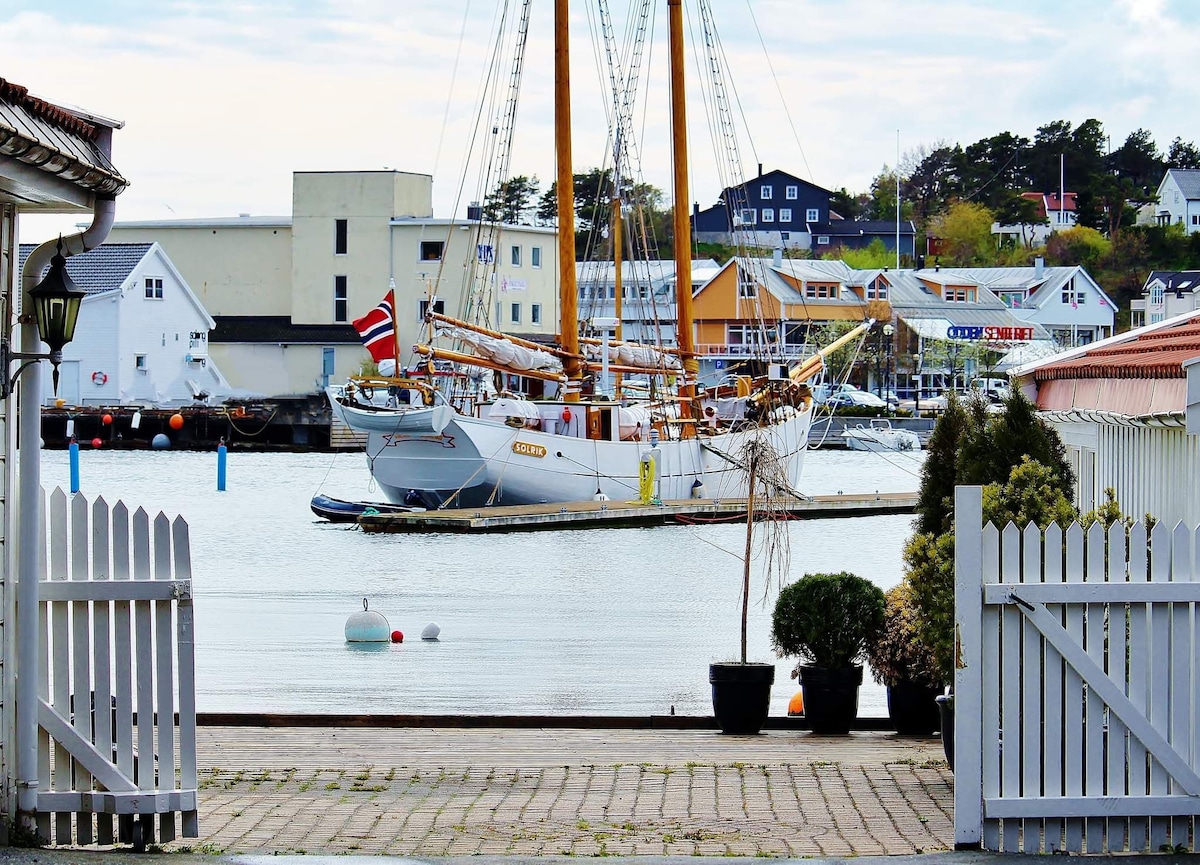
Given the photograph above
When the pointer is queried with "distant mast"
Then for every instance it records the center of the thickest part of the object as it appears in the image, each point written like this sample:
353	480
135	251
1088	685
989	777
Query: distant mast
568	294
682	225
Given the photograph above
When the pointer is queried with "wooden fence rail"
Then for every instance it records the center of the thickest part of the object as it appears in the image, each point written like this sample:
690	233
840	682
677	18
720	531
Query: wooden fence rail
1077	693
116	659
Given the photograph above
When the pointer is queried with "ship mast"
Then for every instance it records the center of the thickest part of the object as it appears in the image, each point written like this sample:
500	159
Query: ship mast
682	227
568	293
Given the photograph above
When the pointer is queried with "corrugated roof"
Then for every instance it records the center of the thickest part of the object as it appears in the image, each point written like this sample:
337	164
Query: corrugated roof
1156	354
104	268
1188	180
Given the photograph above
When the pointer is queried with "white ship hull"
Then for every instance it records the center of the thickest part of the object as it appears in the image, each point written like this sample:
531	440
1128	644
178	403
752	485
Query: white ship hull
475	462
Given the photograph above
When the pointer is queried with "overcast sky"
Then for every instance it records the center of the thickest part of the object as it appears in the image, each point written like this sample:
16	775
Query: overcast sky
223	100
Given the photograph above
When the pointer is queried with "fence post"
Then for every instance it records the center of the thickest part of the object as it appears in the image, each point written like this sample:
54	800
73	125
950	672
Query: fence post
968	664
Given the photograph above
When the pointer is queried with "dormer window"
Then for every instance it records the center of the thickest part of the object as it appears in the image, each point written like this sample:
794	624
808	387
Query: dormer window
1158	295
877	289
821	291
958	295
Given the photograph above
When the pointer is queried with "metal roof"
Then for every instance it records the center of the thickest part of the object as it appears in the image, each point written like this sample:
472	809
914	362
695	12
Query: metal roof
56	140
104	268
856	227
211	222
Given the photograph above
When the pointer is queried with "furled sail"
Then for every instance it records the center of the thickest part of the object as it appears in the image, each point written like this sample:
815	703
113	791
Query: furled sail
504	352
631	354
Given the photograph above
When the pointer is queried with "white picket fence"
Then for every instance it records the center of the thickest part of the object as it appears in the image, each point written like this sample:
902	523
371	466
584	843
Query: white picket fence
116	658
1077	688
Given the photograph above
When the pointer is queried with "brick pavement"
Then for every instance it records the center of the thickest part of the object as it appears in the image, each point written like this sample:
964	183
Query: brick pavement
570	792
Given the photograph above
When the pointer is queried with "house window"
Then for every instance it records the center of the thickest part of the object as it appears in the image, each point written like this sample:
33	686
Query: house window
154	288
535	311
339	237
785	235
957	295
747	288
821	290
765	193
877	289
439	306
792	193
812	214
535	256
746	216
1156	317
431	250
515	256
1158	295
139	362
1071	295
768	214
339	299
785	214
515	310
822	240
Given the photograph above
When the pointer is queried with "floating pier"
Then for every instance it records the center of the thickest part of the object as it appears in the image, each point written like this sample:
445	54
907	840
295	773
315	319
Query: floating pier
613	514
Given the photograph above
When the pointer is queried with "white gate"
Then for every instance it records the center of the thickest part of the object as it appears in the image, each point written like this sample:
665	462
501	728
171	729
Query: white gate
116	657
1077	689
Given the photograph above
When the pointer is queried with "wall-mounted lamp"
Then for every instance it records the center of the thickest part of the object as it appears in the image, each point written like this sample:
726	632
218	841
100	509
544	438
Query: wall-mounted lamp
56	301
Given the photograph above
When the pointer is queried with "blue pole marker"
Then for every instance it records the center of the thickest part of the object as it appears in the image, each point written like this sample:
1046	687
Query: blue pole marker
74	451
221	457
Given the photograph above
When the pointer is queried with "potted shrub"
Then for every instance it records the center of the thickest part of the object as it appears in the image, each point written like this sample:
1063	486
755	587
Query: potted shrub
827	621
741	689
906	667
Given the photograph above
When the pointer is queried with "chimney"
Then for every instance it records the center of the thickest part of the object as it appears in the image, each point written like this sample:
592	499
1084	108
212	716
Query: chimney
777	258
760	169
1039	267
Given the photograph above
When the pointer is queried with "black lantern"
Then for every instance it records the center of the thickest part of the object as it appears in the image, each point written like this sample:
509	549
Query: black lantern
56	301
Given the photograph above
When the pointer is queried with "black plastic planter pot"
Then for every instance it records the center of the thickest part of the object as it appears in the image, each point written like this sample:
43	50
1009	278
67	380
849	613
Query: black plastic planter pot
741	696
912	709
945	704
830	697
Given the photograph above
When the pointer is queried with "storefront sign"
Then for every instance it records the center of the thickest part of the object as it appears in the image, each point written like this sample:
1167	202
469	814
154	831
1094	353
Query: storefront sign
991	334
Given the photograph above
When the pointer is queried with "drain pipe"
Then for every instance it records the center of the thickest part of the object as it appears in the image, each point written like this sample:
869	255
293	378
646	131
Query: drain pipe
30	517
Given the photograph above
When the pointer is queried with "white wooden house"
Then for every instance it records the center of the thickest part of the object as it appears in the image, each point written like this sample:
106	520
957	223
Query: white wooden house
1128	410
142	336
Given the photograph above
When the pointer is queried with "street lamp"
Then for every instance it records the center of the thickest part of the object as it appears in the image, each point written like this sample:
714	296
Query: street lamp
888	390
56	301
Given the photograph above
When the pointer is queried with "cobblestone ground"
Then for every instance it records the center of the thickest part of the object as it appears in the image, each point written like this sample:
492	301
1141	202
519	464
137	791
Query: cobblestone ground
786	809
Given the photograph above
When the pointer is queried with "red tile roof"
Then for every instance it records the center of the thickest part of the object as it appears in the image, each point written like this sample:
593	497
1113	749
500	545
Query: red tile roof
15	94
1049	201
1157	354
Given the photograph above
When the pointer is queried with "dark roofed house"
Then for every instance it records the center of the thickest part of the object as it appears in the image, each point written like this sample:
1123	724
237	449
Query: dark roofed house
1166	294
767	211
861	233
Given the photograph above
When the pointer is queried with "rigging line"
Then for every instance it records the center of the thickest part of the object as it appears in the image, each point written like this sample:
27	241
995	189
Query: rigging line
779	89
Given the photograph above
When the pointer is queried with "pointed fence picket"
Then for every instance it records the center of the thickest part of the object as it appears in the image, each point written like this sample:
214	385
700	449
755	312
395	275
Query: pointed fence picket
1077	693
117	714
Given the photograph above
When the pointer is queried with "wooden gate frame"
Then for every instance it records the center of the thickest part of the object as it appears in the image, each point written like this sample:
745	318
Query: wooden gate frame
95	606
1091	815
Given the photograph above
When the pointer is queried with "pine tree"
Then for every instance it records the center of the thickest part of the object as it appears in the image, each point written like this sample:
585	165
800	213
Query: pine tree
940	472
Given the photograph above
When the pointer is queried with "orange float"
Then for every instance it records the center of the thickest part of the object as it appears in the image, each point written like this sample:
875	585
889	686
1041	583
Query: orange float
796	704
176	421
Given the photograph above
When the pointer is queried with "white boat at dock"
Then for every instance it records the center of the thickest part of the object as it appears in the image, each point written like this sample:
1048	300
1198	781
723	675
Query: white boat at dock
880	436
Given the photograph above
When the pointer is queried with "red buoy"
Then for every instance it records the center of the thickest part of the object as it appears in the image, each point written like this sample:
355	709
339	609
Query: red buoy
176	421
97	442
106	420
397	637
566	415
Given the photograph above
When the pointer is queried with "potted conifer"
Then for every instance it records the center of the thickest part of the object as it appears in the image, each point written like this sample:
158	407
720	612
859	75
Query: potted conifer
906	667
827	621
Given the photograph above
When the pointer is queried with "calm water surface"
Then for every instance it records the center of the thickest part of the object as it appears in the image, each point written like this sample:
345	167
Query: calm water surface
602	621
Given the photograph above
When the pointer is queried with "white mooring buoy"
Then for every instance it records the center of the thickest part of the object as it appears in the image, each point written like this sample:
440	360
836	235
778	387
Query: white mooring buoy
367	626
430	632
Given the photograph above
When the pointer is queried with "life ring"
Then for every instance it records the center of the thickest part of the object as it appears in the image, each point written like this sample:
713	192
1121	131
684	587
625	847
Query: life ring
99	378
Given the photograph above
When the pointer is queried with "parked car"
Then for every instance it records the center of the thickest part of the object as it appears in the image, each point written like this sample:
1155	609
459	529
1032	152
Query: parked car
822	392
855	398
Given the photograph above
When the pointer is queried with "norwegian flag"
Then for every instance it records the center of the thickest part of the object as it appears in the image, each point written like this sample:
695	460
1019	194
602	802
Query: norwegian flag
378	331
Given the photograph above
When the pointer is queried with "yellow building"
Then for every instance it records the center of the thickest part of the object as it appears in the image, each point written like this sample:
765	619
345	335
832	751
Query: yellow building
284	290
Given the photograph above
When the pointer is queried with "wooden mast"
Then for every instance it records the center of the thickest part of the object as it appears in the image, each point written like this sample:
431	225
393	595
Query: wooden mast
683	246
568	293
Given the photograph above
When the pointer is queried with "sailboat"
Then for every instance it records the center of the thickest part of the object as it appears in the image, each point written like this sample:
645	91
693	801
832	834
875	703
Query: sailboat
508	450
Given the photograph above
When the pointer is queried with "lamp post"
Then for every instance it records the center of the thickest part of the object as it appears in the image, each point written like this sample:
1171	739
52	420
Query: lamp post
888	390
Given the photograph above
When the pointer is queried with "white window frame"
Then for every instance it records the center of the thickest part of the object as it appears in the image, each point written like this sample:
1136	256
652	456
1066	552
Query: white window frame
791	193
785	214
514	311
748	216
822	240
812	214
1158	295
768	214
535	313
154	287
535	256
766	192
514	255
140	363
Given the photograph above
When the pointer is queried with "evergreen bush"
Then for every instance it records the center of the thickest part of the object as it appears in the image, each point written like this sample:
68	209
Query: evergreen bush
827	620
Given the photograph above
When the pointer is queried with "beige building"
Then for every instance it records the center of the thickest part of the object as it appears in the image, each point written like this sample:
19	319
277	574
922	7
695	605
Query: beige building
284	290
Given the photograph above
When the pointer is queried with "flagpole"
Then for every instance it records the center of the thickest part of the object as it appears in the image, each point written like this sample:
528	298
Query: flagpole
1062	188
395	326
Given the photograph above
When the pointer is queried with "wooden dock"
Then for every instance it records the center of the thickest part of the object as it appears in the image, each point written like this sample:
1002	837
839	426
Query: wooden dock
614	514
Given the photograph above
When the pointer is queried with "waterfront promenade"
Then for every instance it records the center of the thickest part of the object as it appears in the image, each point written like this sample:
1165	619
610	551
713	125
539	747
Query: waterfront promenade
569	792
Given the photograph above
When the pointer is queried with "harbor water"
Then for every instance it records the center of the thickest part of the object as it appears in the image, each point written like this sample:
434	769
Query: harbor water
598	621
